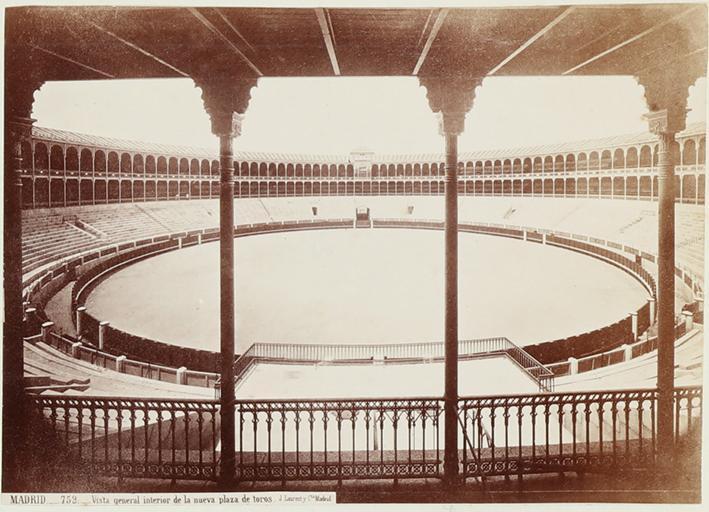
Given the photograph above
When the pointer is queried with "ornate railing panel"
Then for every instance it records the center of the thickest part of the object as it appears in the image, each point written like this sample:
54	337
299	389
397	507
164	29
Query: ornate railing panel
590	431
339	439
145	438
383	438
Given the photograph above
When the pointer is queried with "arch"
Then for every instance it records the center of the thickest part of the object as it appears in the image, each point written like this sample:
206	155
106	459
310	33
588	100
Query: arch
570	187
162	165
126	163
645	156
183	167
263	169
478	187
173	167
204	168
253	170
581	187
689	189
606	159
316	188
548	164
538	187
56	159
497	167
478	168
72	160
487	167
507	187
41	192
216	168
173	189
426	188
618	159
645	186
100	191
86	191
497	187
559	187
631	187
516	187
689	152
194	167
86	161
593	161
434	171
41	157
307	188
631	158
593	186
138	164
570	163
204	189
527	165
114	191
517	166
559	163
281	170
350	171
126	191
527	187
113	163
162	190
307	171
606	186
434	187
151	191
99	163
506	166
72	192
138	192
150	165
582	162
618	186
537	164
547	186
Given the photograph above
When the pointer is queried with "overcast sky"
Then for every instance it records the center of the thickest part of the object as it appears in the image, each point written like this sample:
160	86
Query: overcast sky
335	115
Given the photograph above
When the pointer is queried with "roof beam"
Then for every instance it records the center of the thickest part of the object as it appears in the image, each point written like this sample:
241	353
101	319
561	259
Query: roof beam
73	61
631	40
532	39
429	40
235	30
225	39
136	48
328	37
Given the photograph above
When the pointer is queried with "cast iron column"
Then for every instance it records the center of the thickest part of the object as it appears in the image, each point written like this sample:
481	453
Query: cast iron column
450	397
665	295
451	98
226	287
225	100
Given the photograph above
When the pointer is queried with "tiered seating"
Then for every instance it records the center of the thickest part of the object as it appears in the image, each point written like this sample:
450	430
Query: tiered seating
51	239
123	224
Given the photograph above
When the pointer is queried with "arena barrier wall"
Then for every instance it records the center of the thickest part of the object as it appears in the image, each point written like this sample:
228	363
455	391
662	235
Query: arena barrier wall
602	343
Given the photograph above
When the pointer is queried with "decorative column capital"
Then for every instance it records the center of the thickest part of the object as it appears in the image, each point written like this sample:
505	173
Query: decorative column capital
226	101
450	98
666	94
21	86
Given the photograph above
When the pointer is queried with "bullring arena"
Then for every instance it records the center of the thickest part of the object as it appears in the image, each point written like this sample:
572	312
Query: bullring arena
491	320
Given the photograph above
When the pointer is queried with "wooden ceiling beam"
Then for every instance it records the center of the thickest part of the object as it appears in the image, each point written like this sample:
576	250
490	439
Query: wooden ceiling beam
210	26
531	40
429	40
329	38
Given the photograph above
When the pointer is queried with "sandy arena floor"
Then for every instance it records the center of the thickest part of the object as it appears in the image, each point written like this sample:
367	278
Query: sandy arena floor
366	286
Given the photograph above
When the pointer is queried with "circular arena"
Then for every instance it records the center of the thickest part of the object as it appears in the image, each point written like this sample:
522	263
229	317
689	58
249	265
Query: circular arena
473	324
